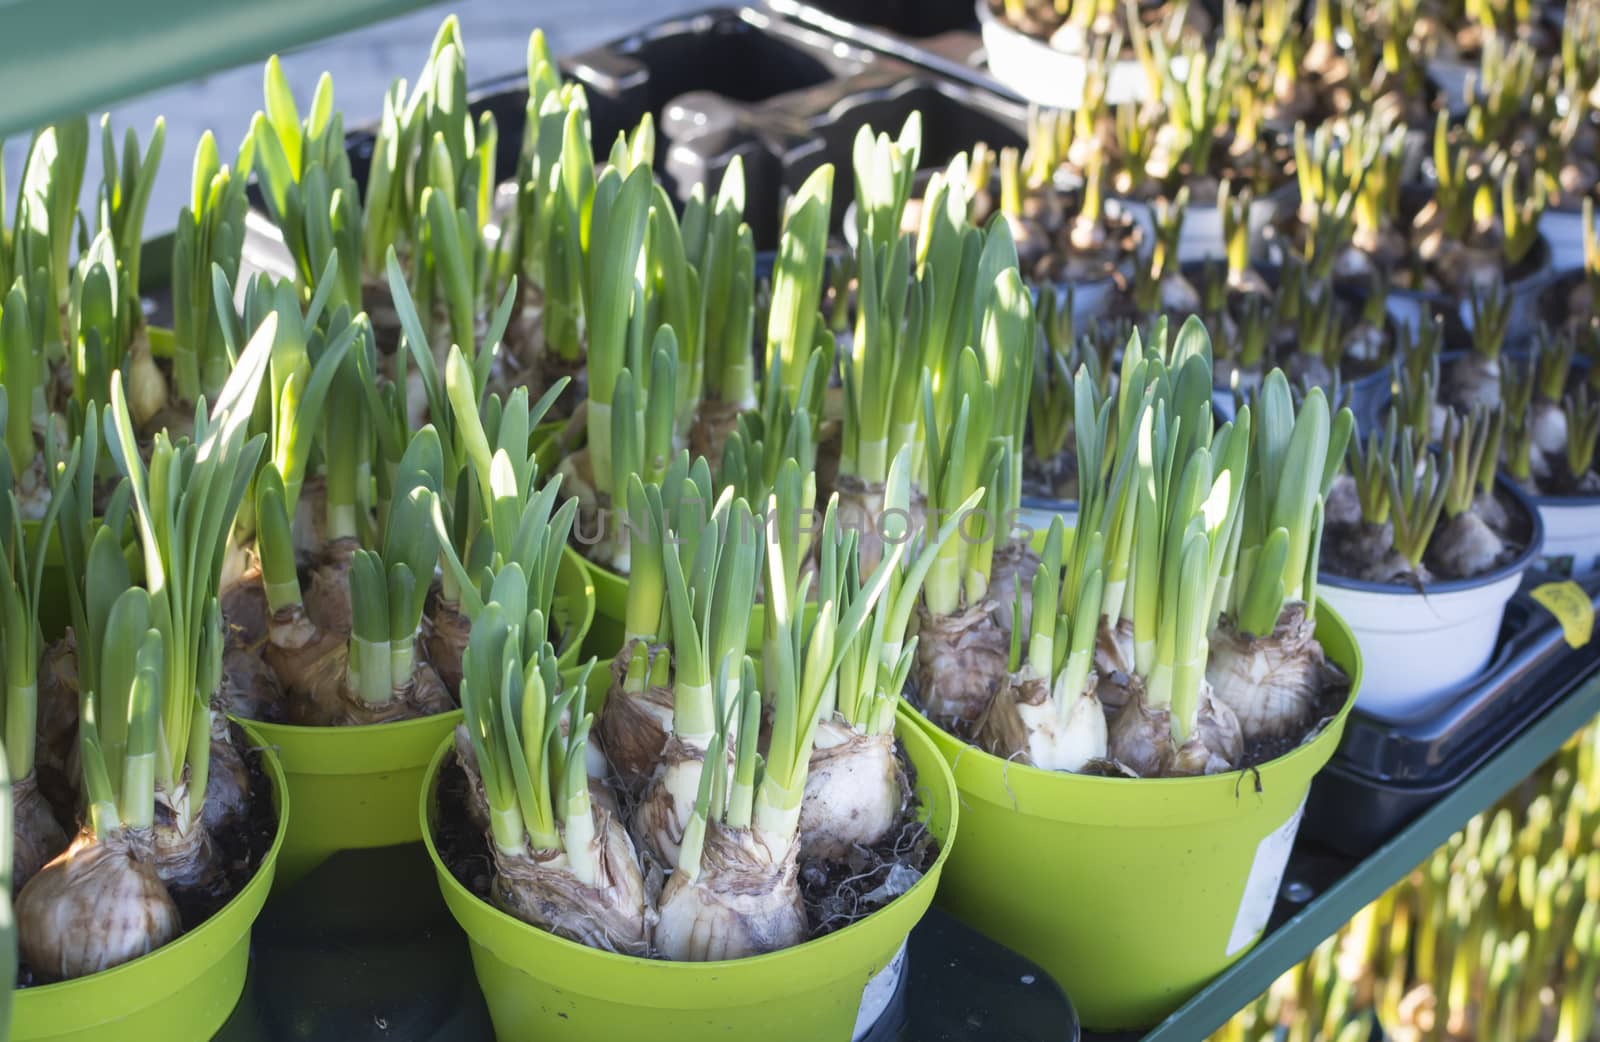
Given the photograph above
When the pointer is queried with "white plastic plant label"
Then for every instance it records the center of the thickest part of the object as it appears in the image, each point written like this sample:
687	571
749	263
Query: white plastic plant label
1261	889
879	992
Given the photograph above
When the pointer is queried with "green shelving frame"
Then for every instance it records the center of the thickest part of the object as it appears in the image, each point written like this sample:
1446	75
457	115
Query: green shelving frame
59	57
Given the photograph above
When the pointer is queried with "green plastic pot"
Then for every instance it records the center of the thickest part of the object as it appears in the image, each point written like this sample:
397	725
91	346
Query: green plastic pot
356	787
352	787
575	606
181	992
540	986
1131	893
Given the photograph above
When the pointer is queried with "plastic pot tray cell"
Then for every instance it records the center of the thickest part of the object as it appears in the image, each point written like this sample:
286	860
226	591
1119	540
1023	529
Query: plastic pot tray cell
939	34
909	19
710	80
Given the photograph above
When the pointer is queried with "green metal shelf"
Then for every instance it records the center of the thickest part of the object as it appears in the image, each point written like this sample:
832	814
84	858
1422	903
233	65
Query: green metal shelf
59	57
1343	886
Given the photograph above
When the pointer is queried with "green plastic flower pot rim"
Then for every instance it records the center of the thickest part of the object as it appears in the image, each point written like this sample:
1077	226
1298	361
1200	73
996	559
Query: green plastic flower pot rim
356	787
538	985
575	586
181	992
1131	893
352	787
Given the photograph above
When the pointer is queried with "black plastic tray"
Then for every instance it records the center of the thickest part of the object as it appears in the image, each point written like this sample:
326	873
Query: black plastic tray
738	81
363	949
942	35
1385	773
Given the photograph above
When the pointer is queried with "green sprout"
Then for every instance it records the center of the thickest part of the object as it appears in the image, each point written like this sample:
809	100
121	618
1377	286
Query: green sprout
1257	321
1369	466
1416	391
1491	319
1520	211
1553	354
1516	401
44	230
1582	411
1164	255
1234	205
1454	189
1472	443
1501	91
1416	497
210	232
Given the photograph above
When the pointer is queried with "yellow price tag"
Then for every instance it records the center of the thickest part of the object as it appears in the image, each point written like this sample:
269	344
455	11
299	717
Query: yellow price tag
1571	607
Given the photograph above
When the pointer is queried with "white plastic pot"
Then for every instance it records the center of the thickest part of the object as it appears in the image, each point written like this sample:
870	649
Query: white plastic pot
1419	648
1571	532
879	993
1046	76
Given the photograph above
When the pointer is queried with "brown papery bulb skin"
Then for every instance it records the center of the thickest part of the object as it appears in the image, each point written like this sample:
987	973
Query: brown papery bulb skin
1272	683
1140	736
668	801
100	904
745	901
182	851
633	727
147	387
250	688
36	836
714	421
1113	663
1024	723
327	597
1216	746
961	662
56	743
612	915
227	779
1012	570
444	634
853	791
